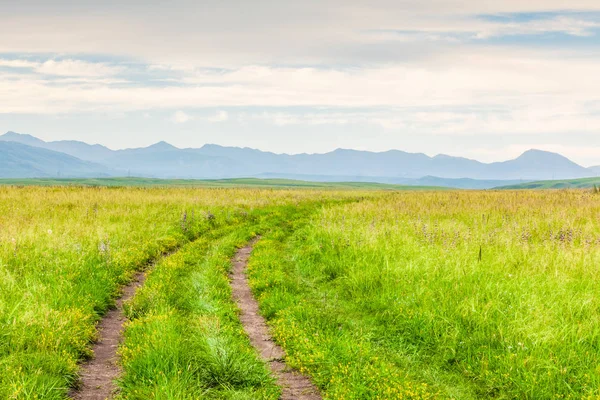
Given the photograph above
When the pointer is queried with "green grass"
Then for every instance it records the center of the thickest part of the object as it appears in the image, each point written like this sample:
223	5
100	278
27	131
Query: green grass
65	251
441	295
210	183
583	183
374	294
185	340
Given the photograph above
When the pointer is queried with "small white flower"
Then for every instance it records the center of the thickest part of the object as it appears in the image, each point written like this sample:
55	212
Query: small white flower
49	231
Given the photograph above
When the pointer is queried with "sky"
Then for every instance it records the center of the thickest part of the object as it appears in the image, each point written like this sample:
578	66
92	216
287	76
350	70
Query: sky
483	79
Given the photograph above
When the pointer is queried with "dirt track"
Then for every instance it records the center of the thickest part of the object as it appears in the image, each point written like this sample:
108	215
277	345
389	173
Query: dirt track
293	384
99	373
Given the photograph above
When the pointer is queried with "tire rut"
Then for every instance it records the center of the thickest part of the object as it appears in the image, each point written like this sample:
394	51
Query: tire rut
97	375
293	384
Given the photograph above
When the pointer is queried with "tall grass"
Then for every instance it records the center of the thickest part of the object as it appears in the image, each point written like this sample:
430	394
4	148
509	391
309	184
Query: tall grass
469	295
64	253
185	340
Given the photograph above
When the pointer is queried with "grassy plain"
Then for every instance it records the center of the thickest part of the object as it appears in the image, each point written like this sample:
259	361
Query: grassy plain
64	253
582	183
185	340
464	295
210	183
375	295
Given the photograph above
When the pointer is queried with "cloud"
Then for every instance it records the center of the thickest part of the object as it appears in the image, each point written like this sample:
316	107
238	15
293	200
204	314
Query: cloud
220	116
64	68
77	68
18	64
179	117
475	28
308	32
473	78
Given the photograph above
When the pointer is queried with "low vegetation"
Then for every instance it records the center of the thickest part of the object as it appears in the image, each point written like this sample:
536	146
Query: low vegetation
441	295
583	183
185	340
374	295
64	253
210	183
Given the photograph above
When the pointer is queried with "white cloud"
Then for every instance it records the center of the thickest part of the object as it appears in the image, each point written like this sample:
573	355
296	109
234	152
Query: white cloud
220	116
179	117
307	32
65	68
77	68
473	27
18	64
531	86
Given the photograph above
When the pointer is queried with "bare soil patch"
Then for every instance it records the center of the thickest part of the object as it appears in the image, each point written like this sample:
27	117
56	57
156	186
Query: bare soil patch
99	373
293	384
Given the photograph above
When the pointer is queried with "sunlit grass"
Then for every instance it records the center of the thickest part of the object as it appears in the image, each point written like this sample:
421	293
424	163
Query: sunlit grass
447	295
64	253
420	295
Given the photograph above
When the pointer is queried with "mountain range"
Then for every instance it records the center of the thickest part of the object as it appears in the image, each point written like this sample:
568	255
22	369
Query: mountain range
27	156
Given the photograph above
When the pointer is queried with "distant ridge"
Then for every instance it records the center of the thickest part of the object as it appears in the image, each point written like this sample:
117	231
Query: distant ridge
81	150
163	160
22	161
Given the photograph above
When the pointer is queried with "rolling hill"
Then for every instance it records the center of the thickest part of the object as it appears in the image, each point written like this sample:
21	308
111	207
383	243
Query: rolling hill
584	183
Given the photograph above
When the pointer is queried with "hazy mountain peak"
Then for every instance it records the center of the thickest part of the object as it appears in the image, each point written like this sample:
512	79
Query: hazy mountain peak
535	154
162	145
159	146
11	136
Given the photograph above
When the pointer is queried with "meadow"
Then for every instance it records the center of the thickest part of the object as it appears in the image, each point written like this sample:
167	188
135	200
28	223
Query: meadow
209	183
470	295
65	251
373	294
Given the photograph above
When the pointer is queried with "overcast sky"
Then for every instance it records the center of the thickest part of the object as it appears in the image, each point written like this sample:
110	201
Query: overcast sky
485	79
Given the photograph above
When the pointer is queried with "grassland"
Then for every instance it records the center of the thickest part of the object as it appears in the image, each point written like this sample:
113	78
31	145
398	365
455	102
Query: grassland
471	295
185	340
210	183
374	294
582	183
64	252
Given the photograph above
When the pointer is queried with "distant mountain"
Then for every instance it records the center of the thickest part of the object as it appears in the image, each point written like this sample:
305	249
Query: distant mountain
162	160
165	163
22	161
81	150
537	165
595	170
532	165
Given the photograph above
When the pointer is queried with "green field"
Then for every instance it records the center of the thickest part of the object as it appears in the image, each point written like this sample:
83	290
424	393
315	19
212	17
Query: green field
208	183
374	294
559	184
